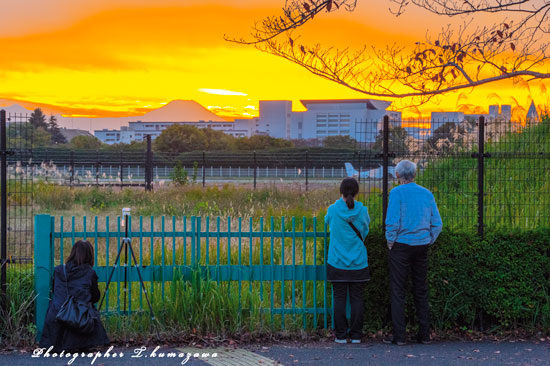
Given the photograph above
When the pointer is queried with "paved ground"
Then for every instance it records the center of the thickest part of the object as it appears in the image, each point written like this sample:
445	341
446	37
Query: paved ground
373	354
447	353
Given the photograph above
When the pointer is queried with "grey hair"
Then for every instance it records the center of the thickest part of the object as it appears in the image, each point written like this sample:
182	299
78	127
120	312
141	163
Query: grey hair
406	170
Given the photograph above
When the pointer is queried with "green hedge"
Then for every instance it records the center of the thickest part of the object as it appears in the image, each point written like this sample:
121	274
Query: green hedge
499	282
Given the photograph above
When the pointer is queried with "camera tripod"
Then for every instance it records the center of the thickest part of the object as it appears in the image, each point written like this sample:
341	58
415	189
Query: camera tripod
127	245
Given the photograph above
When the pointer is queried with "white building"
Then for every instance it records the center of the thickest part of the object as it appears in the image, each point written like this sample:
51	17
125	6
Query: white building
244	127
505	112
443	117
358	118
418	133
137	131
438	119
71	133
275	118
110	137
532	114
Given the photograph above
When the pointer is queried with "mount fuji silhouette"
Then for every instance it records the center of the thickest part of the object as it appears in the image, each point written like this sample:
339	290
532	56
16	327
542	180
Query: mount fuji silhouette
174	111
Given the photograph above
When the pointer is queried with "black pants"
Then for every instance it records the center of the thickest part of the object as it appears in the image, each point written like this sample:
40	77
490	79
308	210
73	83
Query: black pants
404	258
356	295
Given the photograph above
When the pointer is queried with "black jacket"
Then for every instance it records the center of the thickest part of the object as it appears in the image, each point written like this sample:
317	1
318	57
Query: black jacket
82	284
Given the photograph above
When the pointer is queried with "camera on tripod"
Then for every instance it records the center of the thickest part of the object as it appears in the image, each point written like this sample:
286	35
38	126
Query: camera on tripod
125	217
126	245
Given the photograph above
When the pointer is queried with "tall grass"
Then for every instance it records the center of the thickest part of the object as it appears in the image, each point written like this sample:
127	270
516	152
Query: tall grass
196	308
17	322
201	306
228	200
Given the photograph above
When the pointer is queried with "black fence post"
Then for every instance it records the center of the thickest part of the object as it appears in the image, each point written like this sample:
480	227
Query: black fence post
385	163
480	177
121	171
97	165
149	165
46	164
306	168
203	169
358	162
255	168
71	164
3	211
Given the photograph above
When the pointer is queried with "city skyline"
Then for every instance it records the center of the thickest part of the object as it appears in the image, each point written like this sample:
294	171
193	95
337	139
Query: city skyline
189	111
359	119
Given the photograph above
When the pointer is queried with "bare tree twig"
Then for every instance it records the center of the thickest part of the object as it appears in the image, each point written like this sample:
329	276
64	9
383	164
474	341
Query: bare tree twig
456	58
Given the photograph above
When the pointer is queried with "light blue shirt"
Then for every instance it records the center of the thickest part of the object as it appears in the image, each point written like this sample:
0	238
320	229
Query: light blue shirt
412	217
346	250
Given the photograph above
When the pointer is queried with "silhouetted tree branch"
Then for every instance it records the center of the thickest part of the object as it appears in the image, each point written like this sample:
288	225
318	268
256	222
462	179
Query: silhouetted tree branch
456	58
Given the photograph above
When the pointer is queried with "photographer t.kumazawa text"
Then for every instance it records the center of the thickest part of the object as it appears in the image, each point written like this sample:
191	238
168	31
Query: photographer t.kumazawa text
110	353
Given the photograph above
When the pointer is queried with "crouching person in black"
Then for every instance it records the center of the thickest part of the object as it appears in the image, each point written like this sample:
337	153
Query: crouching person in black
78	278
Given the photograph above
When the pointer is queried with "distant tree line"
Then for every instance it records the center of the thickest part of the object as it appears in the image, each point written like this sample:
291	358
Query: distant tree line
181	138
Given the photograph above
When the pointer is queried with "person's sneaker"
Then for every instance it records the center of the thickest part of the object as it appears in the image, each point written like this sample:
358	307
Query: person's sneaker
424	340
340	341
355	341
391	340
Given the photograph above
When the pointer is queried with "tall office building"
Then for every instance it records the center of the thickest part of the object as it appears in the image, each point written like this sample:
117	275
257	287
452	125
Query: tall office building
357	118
275	118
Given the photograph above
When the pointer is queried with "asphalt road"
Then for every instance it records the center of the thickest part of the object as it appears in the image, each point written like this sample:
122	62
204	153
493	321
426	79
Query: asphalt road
445	353
520	353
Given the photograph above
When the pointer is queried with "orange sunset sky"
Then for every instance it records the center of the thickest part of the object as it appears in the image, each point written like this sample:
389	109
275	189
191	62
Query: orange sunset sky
104	58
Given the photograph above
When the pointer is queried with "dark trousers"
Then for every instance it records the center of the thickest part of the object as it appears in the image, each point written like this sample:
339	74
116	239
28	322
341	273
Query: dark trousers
404	258
356	295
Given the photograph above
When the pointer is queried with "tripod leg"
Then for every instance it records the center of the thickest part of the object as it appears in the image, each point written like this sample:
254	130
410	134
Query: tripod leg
125	240
143	288
110	277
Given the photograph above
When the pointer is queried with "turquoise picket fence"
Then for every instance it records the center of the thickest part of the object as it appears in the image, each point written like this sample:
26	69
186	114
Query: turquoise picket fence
282	261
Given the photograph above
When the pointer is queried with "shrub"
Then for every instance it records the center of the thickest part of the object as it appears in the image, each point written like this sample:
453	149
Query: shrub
179	175
53	197
501	281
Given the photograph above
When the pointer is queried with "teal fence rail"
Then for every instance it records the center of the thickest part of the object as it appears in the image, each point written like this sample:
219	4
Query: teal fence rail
282	261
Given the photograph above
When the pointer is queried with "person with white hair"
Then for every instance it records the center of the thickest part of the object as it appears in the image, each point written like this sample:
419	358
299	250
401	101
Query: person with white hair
412	224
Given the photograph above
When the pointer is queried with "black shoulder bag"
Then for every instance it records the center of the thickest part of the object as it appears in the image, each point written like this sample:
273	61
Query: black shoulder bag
356	231
76	314
361	238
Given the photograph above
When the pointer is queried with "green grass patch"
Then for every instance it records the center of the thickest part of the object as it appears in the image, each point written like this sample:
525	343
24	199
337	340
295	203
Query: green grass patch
17	327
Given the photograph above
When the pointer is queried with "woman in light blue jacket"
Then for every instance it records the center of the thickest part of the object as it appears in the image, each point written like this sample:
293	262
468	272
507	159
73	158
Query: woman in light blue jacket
347	265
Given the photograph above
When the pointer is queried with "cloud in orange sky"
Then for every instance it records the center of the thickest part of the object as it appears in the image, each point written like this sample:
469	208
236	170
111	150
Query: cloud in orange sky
221	92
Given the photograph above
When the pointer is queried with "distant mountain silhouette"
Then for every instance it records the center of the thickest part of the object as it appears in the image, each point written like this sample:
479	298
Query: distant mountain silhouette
180	111
16	109
175	111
